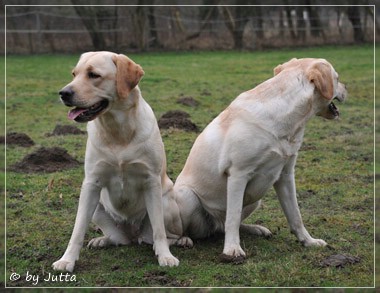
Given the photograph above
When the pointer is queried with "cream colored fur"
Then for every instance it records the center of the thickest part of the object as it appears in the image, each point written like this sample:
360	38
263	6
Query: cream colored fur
250	147
125	164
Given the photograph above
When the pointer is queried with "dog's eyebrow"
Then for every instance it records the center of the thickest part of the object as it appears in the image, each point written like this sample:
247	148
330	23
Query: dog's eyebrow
90	68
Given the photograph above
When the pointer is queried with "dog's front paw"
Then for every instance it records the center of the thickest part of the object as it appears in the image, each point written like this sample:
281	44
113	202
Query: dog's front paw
234	251
314	242
233	254
185	242
168	261
64	265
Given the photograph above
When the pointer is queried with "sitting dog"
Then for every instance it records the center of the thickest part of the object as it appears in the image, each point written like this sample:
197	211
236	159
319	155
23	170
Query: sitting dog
125	164
251	146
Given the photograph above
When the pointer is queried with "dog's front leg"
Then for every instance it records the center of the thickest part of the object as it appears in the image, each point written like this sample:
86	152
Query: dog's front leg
88	200
235	193
286	191
154	206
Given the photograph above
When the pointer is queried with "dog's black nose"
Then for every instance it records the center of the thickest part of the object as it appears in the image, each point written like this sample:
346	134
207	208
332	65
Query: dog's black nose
66	96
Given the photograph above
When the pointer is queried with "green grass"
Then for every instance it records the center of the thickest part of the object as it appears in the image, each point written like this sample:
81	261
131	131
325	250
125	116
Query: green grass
334	176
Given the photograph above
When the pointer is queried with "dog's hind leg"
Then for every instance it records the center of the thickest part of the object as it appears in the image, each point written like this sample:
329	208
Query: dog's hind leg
196	222
250	228
255	230
113	233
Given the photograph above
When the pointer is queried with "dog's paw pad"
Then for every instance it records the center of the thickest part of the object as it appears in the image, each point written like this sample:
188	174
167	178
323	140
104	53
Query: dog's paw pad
64	265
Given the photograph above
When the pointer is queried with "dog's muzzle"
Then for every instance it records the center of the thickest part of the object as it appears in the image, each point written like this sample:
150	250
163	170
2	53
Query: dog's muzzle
81	114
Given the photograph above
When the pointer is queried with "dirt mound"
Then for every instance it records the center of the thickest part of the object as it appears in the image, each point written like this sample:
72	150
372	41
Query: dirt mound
177	119
160	278
178	114
188	101
339	260
19	139
45	160
66	130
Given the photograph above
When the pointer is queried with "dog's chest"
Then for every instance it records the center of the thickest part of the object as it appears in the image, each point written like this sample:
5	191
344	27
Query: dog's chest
287	148
268	169
123	194
264	176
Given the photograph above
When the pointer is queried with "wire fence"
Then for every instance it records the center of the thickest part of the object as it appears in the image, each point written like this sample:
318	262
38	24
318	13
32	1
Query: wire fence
47	31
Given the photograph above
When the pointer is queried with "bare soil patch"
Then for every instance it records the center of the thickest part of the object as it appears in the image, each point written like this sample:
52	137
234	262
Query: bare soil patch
177	119
160	278
188	101
18	139
45	160
66	130
339	260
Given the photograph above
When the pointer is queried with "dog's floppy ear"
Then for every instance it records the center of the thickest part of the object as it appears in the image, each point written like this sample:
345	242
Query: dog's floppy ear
281	67
320	74
128	74
277	69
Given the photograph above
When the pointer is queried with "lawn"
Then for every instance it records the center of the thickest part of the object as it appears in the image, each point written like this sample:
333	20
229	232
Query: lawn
334	177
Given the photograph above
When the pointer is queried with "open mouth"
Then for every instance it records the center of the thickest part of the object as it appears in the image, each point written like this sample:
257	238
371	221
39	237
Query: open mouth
87	114
334	109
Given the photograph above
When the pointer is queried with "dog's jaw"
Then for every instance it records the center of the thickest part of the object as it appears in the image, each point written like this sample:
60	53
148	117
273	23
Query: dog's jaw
83	115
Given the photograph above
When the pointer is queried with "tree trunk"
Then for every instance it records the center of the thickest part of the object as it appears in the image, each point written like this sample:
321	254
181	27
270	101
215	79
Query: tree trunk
288	10
236	27
354	16
155	42
90	21
139	20
315	22
258	21
301	24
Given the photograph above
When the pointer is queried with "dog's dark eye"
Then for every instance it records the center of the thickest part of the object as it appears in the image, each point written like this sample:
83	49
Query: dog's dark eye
93	75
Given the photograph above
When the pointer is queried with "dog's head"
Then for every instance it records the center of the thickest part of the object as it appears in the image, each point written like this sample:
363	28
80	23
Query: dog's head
99	80
325	80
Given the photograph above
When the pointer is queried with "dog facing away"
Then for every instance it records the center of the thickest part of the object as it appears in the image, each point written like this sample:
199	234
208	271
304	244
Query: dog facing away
251	146
125	163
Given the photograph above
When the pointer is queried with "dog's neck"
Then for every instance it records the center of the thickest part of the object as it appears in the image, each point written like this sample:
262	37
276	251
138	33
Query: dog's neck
119	124
284	111
292	122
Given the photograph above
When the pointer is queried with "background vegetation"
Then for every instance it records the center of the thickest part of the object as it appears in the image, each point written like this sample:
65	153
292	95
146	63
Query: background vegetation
334	176
219	25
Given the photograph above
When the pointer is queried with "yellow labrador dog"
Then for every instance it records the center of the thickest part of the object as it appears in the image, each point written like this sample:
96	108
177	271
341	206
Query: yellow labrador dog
251	146
125	164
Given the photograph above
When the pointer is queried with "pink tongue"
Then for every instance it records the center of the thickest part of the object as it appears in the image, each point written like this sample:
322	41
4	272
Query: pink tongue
75	113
